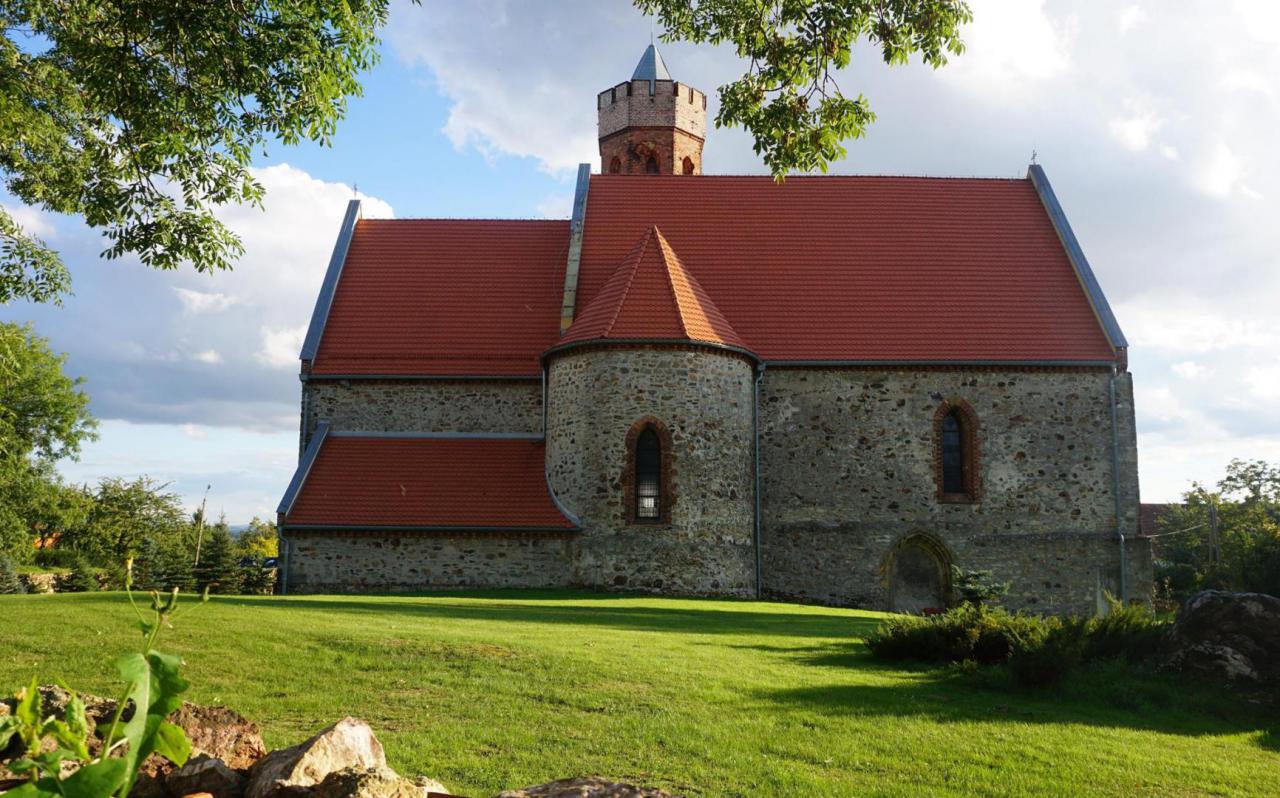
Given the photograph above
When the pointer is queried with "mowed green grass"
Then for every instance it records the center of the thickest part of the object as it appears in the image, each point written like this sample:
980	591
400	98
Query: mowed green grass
487	691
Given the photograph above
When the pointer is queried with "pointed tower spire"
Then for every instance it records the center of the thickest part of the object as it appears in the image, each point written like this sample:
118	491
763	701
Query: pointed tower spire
651	66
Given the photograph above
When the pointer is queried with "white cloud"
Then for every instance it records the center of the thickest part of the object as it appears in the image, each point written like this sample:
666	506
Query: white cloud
1189	325
280	346
195	432
1011	46
209	356
1169	152
203	301
556	206
1191	370
1264	381
1218	173
1130	17
1134	129
32	220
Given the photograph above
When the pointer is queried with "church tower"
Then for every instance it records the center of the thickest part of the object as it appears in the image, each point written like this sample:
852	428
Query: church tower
651	124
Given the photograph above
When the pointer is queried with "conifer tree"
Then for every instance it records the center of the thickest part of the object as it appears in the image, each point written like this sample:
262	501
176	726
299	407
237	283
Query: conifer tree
83	578
218	569
9	581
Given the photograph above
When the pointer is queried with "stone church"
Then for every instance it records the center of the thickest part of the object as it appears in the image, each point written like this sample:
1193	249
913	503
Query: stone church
829	390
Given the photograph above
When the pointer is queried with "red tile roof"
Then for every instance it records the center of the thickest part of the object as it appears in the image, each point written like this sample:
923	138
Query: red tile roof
652	296
440	297
817	268
859	268
427	482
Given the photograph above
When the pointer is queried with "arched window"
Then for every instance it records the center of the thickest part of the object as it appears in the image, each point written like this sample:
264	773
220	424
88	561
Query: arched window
652	166
615	166
956	456
687	165
648	476
952	454
647	487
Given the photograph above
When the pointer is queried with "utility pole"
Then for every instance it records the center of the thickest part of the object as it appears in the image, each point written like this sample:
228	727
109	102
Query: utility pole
1214	550
200	524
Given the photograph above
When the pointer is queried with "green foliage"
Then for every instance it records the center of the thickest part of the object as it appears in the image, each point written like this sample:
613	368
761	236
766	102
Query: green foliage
259	540
255	580
164	566
144	116
1039	650
978	588
83	578
124	513
9	581
969	632
153	691
1247	552
789	99
219	570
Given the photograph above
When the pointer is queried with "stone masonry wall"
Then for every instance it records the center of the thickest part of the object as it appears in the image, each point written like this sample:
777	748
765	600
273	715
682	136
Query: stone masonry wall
378	562
704	399
424	406
848	471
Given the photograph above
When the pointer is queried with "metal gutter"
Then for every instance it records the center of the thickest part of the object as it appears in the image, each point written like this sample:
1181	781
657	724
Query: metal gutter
304	468
465	436
625	342
900	363
324	301
755	436
1092	289
407	528
1119	504
576	228
421	377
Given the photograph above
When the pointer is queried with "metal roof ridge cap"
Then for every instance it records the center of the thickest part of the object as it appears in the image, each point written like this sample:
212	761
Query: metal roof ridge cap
1075	254
935	362
577	227
328	288
303	470
411	435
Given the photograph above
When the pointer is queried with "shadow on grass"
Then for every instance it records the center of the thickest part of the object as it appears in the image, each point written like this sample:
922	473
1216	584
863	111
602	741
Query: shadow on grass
1112	695
715	617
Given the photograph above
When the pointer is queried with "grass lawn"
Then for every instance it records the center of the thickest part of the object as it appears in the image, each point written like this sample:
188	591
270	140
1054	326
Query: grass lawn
487	691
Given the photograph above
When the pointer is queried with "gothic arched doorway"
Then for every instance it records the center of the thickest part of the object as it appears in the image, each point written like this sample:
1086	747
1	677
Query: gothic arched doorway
919	575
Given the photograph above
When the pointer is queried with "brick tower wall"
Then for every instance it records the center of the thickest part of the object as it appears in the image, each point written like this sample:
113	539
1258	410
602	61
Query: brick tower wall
668	124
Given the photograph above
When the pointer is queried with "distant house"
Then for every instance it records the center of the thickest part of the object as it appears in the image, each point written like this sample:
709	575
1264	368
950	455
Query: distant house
831	389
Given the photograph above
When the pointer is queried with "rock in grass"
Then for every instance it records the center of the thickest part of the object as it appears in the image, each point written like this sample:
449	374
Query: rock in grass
1231	638
349	743
589	787
373	783
205	774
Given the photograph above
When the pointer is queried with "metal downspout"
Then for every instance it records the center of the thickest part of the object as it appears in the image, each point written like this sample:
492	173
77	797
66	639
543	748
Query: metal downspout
1115	471
755	435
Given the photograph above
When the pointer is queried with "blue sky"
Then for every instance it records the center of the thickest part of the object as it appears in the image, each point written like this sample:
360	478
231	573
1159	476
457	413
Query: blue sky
1155	122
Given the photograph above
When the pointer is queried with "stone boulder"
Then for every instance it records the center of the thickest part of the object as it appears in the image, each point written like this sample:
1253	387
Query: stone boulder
589	787
374	783
204	774
220	733
349	743
1231	638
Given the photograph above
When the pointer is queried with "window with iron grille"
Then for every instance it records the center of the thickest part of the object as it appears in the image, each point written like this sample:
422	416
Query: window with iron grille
648	476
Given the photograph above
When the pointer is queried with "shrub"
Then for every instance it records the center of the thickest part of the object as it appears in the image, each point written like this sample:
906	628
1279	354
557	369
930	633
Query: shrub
218	571
978	588
255	580
1046	661
9	581
56	558
969	632
1130	631
83	578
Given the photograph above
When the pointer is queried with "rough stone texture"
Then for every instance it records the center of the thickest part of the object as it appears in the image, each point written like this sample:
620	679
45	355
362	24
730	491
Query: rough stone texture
424	406
39	583
670	125
590	787
377	562
204	774
847	466
704	399
1228	637
347	743
380	782
220	733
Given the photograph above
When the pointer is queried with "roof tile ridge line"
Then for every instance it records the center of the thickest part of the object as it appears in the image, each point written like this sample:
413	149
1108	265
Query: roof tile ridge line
303	471
638	251
534	437
329	288
671	260
1075	255
695	288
